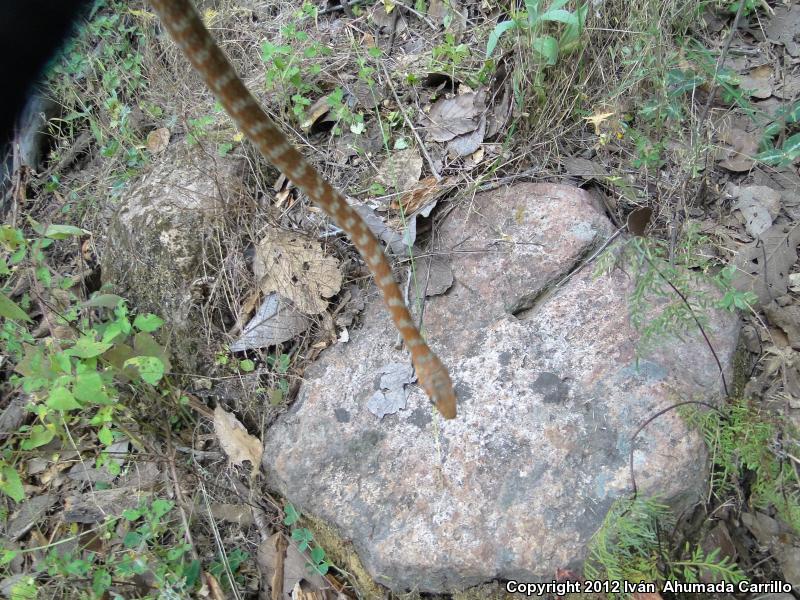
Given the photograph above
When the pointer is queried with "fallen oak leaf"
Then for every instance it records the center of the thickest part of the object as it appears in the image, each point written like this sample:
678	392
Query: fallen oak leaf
295	266
234	440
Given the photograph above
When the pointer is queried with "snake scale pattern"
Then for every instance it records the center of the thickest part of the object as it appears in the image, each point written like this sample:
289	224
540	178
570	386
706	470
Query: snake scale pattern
190	34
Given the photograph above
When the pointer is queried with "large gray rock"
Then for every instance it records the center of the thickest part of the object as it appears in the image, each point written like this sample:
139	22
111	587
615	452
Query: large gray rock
162	240
549	399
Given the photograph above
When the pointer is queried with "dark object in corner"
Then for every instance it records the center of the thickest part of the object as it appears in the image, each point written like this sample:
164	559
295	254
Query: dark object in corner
30	33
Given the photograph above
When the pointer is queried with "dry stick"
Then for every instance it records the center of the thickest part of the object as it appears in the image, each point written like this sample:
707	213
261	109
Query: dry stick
218	541
650	420
723	55
402	110
704	114
696	320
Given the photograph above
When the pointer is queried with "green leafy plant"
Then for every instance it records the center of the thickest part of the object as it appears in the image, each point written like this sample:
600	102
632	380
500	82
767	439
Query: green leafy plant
533	20
305	542
99	87
73	381
291	70
280	365
671	297
630	546
152	546
783	156
744	443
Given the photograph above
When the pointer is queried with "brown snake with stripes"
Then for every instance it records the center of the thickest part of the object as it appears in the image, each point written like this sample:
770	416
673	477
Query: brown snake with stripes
190	34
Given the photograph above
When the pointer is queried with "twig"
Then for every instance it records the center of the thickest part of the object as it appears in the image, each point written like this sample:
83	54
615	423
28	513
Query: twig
419	15
723	55
650	420
696	320
431	166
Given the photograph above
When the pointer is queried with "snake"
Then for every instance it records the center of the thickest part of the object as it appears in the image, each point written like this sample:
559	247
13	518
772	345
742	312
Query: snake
186	28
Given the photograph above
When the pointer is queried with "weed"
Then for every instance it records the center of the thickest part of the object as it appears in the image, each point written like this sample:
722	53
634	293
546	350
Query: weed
99	88
280	365
73	381
291	71
151	550
672	297
745	444
631	546
305	541
532	22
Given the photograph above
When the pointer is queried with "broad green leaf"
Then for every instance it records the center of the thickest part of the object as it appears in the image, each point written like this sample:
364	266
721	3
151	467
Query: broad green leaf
247	365
150	368
147	322
771	130
793	116
101	581
791	147
24	590
570	39
11	237
7	556
192	574
291	515
61	232
11	484
131	514
105	436
560	16
547	46
532	6
112	332
495	36
145	344
103	301
317	554
680	81
773	156
132	539
10	310
61	363
61	398
88	388
160	507
87	347
38	436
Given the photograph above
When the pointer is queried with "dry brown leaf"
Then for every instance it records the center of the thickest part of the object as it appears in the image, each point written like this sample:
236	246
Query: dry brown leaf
639	219
240	514
434	276
758	82
464	145
788	319
758	204
294	566
158	140
295	266
425	190
234	440
454	116
763	265
315	112
401	170
783	27
744	148
275	322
